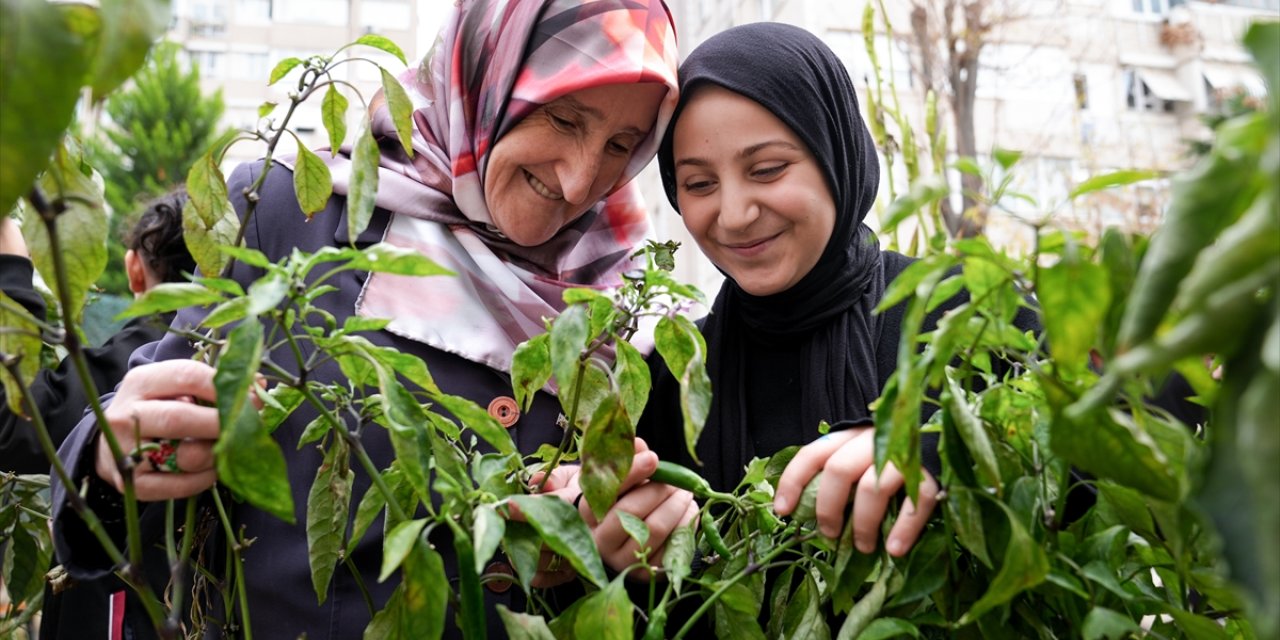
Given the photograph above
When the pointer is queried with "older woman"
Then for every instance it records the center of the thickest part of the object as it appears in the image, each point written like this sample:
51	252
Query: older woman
531	118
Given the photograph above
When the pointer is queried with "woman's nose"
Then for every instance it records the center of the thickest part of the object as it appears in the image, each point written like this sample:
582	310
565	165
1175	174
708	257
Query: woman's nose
737	208
578	174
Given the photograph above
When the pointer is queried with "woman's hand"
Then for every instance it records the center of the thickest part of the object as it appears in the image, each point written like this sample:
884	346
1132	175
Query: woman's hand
661	506
157	403
846	458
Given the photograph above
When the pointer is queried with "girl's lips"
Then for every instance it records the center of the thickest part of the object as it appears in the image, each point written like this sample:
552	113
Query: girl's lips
751	248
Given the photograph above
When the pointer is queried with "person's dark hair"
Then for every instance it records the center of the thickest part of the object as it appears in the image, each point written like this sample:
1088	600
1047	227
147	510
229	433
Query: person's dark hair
157	237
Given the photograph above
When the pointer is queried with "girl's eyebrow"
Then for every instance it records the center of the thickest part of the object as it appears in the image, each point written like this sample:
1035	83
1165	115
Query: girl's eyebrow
746	152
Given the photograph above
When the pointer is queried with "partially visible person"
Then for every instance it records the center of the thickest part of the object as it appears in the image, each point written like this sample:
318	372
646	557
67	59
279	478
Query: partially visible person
156	253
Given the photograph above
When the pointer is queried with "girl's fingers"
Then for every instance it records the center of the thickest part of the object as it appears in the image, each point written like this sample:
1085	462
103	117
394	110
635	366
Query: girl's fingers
843	470
912	518
151	487
807	462
165	419
869	506
168	379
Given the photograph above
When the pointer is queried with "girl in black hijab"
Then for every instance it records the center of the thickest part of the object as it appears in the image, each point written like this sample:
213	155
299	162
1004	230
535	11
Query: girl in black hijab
773	170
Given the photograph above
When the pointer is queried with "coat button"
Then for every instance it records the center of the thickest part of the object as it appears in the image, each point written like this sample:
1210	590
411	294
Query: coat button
504	410
500	577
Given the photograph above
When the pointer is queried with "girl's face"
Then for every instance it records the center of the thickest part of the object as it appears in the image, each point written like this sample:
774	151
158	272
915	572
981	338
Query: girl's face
751	193
566	156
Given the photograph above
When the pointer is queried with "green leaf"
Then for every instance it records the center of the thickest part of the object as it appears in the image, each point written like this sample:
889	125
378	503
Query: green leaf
923	193
1263	42
129	27
1197	627
311	182
968	165
866	609
925	571
1109	180
973	432
1025	565
370	506
964	514
605	614
249	462
208	219
487	530
363	187
632	374
530	369
523	548
568	339
283	68
885	628
400	108
20	338
328	504
266	108
1006	157
417	607
170	296
524	626
81	228
563	530
1074	297
43	62
608	447
379	42
386	258
736	613
1109	444
677	557
398	544
357	324
333	113
684	350
635	527
803	617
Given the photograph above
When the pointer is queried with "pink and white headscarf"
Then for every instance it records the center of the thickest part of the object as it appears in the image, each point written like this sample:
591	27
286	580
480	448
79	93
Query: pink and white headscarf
494	62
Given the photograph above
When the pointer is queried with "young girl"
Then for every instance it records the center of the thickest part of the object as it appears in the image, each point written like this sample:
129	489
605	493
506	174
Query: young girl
773	170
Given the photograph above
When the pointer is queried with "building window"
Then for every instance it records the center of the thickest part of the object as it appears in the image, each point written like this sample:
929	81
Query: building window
1081	84
325	12
1153	90
378	16
253	11
1155	7
211	63
208	18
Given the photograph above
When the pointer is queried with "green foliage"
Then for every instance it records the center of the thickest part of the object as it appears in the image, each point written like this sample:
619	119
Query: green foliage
154	131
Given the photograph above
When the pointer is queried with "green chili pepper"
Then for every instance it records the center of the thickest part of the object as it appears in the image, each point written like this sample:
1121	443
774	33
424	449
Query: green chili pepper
1241	249
711	533
682	478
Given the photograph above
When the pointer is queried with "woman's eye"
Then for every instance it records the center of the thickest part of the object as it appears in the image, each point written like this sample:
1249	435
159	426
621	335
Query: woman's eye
620	148
769	172
698	187
561	123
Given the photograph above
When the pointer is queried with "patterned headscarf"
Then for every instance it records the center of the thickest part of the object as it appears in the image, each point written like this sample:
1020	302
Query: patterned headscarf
494	62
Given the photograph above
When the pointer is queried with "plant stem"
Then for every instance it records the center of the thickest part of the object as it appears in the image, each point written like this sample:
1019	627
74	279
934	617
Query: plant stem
748	570
569	428
238	568
364	591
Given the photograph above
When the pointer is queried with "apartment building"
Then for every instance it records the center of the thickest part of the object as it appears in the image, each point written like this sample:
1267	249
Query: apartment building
238	42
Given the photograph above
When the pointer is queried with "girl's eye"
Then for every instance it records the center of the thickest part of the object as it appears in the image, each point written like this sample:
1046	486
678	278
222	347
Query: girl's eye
698	187
769	172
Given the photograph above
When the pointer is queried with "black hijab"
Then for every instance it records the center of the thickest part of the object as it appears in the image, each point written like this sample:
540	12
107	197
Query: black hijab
800	80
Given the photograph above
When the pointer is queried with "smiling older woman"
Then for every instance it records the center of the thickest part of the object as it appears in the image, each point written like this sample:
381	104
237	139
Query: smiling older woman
531	119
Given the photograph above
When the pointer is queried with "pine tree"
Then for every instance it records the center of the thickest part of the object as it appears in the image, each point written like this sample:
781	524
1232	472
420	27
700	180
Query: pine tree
155	129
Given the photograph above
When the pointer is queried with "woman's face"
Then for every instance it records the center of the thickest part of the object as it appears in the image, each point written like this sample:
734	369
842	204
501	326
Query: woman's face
566	156
750	192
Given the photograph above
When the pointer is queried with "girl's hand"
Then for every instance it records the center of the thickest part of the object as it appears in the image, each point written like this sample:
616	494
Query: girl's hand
846	458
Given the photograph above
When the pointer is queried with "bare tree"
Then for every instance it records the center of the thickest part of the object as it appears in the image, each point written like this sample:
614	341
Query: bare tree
949	36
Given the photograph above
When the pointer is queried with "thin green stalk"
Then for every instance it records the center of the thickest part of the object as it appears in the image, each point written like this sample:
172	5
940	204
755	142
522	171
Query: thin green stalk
471	611
569	428
178	564
364	591
750	569
234	545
